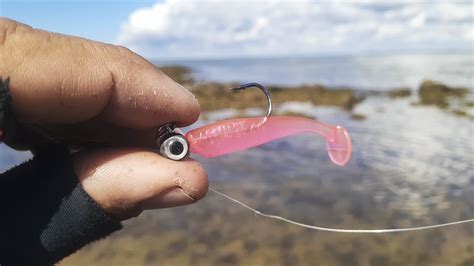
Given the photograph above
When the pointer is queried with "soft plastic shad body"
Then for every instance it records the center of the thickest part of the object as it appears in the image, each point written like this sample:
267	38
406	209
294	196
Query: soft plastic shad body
238	134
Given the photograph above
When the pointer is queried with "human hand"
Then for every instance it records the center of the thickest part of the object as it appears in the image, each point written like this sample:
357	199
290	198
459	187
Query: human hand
82	91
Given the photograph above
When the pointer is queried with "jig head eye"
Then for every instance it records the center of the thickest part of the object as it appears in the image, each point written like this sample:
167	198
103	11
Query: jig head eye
175	147
172	145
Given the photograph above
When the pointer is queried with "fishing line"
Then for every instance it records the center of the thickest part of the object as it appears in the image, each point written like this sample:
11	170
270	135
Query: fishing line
338	230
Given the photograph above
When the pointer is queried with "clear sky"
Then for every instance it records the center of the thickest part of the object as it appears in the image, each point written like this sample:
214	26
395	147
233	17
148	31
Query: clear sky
218	28
98	20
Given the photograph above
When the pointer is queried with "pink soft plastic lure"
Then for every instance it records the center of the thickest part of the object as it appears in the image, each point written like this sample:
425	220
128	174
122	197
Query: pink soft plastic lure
238	134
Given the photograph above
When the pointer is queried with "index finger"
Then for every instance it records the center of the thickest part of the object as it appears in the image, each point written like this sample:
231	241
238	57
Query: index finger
58	79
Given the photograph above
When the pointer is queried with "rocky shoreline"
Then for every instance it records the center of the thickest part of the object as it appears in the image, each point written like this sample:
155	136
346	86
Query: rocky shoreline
215	96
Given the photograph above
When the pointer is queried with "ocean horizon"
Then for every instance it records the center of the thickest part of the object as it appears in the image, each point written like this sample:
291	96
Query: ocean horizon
379	72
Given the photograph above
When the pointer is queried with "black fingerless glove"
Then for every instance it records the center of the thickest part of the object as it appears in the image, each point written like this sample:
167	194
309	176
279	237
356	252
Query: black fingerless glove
5	106
45	213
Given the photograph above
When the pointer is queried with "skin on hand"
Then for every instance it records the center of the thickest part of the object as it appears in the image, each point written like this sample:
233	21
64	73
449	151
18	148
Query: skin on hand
90	91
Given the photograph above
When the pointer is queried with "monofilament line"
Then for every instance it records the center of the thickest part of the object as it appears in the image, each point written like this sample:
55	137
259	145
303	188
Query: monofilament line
340	230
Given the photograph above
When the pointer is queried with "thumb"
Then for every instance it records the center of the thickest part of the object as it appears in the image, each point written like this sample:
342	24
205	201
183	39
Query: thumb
125	182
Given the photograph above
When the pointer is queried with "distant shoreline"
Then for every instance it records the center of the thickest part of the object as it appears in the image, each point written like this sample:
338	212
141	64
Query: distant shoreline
176	61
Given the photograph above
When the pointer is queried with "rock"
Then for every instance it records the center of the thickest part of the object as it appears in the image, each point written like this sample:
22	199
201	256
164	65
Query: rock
434	93
358	117
399	93
180	74
214	96
298	114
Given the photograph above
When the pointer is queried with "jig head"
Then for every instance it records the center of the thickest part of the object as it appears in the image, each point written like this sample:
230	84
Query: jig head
173	145
232	135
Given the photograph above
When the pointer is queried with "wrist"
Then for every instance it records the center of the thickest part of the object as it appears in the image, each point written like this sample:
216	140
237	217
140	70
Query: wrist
5	107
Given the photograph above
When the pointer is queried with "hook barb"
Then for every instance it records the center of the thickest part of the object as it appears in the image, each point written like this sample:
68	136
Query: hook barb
262	88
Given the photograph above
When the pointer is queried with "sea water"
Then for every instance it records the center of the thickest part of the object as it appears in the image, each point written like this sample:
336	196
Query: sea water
374	72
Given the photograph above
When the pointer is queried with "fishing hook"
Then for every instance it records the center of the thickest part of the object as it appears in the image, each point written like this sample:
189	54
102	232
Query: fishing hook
262	88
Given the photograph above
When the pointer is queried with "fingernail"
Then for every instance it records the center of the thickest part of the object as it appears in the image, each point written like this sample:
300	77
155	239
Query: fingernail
171	197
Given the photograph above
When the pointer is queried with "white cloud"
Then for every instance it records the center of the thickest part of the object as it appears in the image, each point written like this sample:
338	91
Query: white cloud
186	28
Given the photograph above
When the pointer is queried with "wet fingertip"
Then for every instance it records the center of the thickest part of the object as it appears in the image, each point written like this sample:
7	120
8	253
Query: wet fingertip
195	183
189	114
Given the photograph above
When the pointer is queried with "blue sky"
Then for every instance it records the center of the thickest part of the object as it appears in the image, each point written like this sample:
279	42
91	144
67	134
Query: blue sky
203	29
98	20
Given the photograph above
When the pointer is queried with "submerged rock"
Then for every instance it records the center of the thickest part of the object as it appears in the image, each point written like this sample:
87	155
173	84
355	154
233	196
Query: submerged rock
399	93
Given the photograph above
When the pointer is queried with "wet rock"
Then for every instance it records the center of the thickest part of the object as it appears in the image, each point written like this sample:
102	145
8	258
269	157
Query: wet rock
434	93
228	259
180	74
214	96
469	104
293	113
462	113
378	260
358	117
399	93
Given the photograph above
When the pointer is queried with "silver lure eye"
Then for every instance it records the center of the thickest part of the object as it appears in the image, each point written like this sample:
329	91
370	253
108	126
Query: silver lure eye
174	147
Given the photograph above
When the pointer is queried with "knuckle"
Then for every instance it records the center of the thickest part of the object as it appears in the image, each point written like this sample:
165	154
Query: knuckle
129	59
8	28
123	50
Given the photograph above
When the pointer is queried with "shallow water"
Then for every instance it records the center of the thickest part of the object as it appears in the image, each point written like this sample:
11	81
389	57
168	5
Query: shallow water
414	159
411	166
